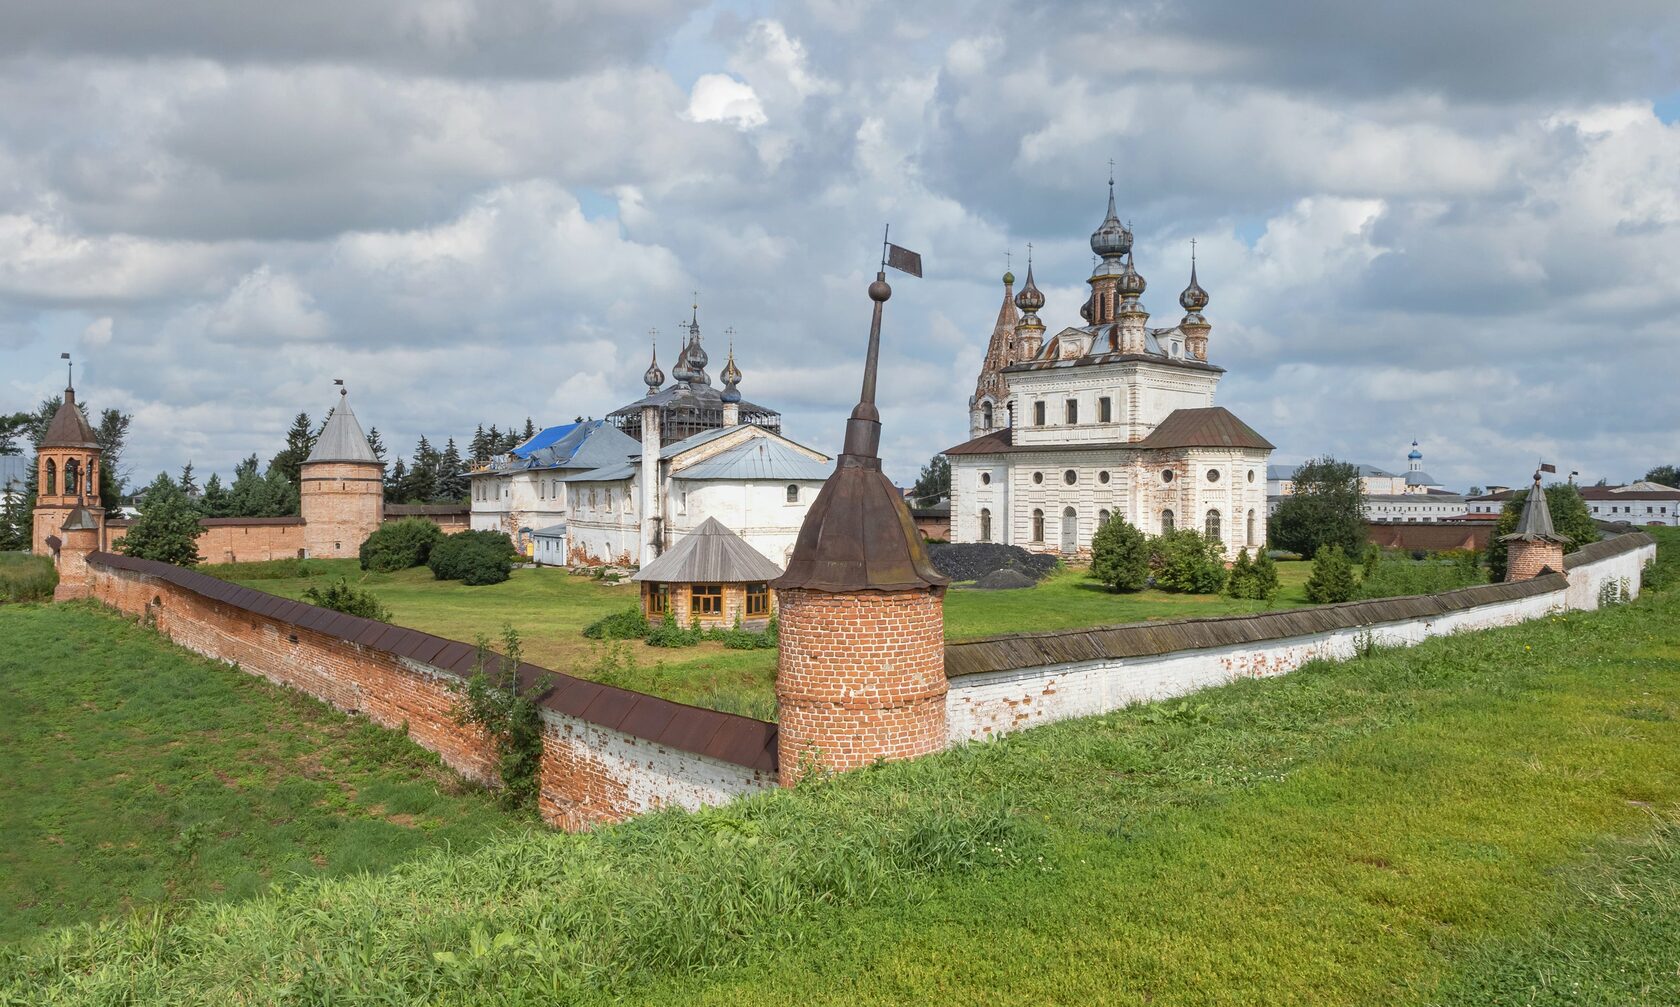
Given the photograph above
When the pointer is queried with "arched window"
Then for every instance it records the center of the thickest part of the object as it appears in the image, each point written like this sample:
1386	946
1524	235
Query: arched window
1070	530
52	477
1038	525
985	416
792	493
90	478
1249	539
72	473
1102	517
1212	527
985	525
1167	521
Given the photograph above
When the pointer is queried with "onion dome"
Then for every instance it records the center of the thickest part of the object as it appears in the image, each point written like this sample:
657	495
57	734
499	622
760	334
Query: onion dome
1085	309
1194	298
1030	299
731	377
1415	455
1131	281
1009	279
1111	237
653	377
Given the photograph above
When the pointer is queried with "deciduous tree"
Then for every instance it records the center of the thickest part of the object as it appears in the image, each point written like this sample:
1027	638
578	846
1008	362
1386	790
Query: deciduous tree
1327	507
167	528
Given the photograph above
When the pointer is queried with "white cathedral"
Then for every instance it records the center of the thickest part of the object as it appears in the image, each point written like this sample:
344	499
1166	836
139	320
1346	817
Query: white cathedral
1109	417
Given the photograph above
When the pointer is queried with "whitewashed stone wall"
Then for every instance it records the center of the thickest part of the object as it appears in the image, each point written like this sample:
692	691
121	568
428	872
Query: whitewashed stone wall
988	704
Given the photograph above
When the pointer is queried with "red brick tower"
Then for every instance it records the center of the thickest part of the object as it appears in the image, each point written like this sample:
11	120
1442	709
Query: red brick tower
342	490
1535	546
67	477
861	675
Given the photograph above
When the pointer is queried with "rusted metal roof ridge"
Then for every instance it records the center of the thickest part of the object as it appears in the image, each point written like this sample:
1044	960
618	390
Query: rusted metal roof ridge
742	740
1150	639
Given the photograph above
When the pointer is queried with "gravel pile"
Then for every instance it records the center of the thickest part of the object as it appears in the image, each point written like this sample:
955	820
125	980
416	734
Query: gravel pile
1004	580
971	561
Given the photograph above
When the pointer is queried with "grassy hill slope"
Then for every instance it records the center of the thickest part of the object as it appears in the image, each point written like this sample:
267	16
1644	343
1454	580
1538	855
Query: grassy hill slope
1487	818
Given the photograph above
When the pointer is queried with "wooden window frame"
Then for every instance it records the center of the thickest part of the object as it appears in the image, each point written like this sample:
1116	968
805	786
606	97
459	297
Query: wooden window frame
758	599
705	599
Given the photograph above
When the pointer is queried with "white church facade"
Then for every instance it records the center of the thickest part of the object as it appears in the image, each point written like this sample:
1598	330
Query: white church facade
1112	417
579	494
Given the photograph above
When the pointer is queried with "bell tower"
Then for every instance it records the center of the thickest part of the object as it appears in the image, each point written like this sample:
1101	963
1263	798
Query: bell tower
68	471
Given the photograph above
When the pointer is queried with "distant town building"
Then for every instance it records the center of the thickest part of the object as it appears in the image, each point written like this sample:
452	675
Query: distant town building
1109	417
1412	498
1642	503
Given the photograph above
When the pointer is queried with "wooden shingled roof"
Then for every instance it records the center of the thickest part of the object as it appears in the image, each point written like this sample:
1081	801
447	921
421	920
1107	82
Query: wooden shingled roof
710	554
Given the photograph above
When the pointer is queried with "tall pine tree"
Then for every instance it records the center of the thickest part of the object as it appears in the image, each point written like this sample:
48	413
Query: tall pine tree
300	440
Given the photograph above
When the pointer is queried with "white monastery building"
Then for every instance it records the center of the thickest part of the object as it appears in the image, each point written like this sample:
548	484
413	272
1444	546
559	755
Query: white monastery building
579	493
1411	498
1110	417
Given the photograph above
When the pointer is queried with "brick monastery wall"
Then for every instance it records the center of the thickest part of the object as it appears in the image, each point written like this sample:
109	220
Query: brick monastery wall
607	753
254	540
1009	683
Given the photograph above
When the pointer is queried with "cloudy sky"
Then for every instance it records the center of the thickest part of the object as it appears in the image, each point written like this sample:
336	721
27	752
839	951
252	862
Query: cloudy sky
1456	222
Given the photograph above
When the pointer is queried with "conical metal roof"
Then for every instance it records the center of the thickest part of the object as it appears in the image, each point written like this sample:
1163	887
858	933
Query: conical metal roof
69	428
1535	525
710	554
342	439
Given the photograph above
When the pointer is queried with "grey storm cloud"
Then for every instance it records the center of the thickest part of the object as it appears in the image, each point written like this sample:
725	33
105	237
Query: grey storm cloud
1440	220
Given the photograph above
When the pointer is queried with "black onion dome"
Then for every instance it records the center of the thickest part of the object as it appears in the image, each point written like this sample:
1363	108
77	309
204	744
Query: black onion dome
1194	298
653	377
1085	309
731	377
1131	281
1111	237
1030	299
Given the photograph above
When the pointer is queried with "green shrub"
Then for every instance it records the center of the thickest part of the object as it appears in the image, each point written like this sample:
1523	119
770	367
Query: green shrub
491	701
1186	562
341	597
167	528
1255	579
669	634
26	578
1332	576
740	638
1396	576
629	624
472	557
399	545
1120	555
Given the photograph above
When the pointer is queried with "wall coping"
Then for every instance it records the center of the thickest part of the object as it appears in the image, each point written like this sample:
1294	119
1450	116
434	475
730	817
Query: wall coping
726	737
1604	548
1153	639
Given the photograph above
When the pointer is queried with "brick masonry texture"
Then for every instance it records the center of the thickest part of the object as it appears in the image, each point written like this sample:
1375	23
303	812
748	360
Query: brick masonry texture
861	677
589	774
990	703
342	504
1524	560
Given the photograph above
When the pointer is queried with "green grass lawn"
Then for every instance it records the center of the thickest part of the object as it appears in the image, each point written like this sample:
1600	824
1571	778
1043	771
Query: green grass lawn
26	577
1488	818
137	774
550	607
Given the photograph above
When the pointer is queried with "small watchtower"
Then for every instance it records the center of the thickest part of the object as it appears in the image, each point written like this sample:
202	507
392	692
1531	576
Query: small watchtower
861	674
1535	546
342	489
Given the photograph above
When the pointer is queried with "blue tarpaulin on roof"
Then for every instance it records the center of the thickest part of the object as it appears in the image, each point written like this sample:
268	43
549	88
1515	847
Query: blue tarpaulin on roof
543	439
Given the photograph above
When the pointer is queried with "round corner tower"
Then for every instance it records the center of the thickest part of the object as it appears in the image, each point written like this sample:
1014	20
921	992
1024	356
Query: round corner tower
861	671
341	493
1535	546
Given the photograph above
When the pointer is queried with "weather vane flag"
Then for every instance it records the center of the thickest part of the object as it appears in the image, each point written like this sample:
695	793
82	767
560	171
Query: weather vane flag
898	257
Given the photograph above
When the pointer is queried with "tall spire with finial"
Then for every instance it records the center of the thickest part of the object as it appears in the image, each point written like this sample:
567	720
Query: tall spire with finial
694	356
858	535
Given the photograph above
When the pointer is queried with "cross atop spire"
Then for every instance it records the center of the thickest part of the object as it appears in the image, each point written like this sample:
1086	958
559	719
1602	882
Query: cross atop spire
1111	173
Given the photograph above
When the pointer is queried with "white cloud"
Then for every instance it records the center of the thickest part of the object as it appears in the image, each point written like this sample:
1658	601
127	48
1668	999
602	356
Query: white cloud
98	333
718	97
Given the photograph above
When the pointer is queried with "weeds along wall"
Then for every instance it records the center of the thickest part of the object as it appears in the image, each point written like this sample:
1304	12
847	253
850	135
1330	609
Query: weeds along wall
608	753
1004	684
